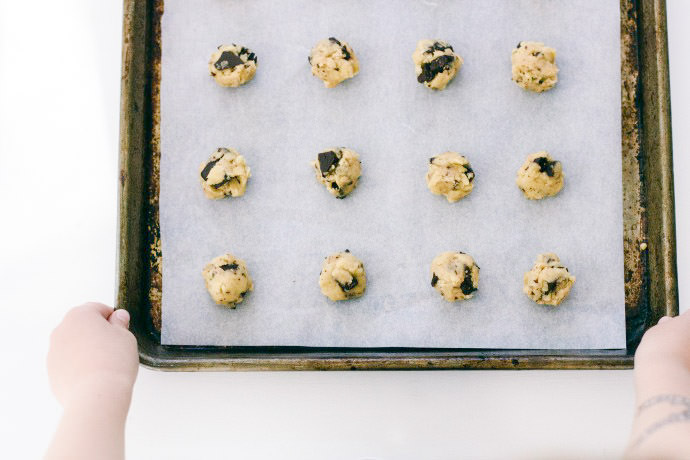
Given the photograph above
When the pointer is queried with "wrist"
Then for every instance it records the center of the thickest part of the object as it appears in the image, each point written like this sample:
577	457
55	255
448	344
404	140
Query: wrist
662	379
660	422
100	393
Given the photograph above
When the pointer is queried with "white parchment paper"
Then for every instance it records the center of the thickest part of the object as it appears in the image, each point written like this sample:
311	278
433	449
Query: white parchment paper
286	223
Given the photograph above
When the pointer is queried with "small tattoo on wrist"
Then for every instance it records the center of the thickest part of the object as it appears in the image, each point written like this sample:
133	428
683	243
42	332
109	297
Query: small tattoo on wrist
677	417
674	400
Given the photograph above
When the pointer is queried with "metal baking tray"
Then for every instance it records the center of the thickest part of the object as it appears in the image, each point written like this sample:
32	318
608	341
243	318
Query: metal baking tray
648	218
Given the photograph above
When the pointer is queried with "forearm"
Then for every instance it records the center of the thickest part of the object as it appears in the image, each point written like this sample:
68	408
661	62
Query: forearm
661	428
92	425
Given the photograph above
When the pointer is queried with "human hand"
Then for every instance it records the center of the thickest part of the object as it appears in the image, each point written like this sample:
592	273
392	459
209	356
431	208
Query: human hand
662	380
92	365
662	360
92	353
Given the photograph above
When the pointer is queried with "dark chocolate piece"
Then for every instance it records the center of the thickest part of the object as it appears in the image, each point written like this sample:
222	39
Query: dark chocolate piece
335	40
469	172
250	56
207	169
467	287
434	280
519	45
551	287
225	180
431	160
327	160
349	286
545	165
433	68
232	266
228	60
346	53
438	47
334	185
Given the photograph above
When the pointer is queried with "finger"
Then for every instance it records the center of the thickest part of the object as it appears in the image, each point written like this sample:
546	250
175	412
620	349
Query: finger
102	309
120	318
663	319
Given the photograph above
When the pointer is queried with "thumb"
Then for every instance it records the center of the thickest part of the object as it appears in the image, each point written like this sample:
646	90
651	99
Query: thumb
120	318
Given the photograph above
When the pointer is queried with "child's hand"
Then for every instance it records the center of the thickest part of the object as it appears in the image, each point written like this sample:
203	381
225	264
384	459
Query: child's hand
92	365
92	352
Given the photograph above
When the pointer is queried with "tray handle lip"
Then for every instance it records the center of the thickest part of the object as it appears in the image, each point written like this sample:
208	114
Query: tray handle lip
384	364
136	22
123	141
656	111
374	359
125	63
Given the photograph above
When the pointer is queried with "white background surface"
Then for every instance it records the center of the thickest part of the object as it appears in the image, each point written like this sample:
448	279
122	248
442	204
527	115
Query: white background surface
59	108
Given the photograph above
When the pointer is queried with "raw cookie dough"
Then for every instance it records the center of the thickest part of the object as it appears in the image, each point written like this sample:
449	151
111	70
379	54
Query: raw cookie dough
225	173
534	68
227	280
339	170
342	276
540	176
435	63
454	275
450	174
333	61
232	65
548	283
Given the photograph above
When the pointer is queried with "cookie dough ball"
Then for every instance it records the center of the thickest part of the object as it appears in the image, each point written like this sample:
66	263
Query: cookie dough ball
232	65
454	275
333	61
339	170
548	283
435	63
225	173
451	175
342	276
534	68
227	280
540	176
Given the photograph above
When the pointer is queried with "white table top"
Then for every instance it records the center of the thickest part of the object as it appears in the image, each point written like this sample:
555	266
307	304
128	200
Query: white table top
59	109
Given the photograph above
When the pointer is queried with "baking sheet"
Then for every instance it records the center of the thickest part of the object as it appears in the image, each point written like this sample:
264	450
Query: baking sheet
287	223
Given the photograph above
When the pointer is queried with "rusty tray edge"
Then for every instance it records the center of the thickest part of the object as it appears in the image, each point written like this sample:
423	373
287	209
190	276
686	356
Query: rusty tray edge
656	118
